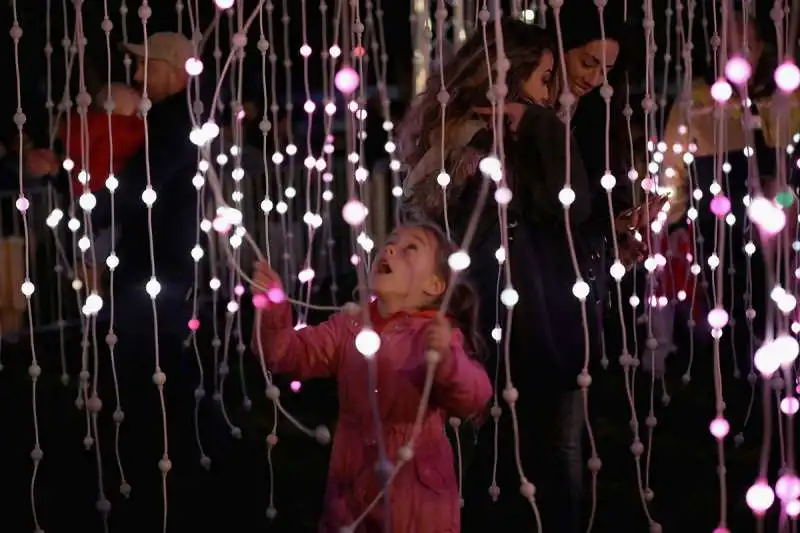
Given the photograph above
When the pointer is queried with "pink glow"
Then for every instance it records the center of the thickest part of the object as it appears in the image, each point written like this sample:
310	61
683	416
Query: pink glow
295	386
760	497
738	70
346	80
787	76
720	205
194	324
260	301
718	318
721	91
275	295
719	428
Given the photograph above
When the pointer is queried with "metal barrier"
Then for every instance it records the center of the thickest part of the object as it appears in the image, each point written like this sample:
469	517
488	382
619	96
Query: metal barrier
51	251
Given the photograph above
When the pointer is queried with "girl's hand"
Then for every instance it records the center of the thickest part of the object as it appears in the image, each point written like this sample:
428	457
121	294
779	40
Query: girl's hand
439	334
264	278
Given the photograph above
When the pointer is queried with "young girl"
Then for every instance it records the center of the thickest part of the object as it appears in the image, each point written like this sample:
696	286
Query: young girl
409	279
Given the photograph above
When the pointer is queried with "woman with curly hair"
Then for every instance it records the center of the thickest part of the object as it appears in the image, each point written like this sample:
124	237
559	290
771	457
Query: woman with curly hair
546	354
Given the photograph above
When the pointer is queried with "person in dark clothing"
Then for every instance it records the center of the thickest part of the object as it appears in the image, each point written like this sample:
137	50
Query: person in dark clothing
750	285
546	352
148	342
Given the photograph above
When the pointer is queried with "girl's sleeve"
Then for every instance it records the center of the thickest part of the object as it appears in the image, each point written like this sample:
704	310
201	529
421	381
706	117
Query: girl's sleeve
310	352
461	385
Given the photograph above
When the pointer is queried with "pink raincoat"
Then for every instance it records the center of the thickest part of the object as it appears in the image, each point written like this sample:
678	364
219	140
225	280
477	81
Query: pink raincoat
424	493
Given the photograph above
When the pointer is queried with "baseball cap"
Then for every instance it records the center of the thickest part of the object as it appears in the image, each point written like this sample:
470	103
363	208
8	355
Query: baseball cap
173	48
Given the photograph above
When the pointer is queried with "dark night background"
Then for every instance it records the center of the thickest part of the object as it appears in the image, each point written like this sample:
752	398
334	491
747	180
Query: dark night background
234	498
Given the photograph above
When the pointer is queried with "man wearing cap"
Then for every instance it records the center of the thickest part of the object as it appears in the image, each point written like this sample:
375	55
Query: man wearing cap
166	165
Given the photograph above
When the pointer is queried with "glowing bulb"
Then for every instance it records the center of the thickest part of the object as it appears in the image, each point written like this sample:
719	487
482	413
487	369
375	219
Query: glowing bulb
354	212
566	196
224	4
738	70
346	80
767	358
153	287
721	91
367	342
580	290
769	218
193	66
617	270
459	261
787	76
509	297
719	428
760	497
720	205
718	318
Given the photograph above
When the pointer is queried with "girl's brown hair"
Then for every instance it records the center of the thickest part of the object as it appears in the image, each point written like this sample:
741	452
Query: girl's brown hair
462	307
466	80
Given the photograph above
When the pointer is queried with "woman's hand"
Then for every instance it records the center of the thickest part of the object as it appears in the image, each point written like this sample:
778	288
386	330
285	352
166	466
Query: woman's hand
264	278
41	162
631	250
641	216
439	334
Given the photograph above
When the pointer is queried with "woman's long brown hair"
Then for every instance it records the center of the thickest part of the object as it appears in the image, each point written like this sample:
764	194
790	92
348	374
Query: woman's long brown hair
466	80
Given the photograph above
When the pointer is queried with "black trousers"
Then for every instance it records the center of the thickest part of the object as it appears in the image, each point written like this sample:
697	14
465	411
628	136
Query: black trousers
550	444
151	427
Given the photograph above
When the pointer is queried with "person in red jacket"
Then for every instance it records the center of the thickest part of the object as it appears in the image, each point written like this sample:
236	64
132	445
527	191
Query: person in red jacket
112	140
674	291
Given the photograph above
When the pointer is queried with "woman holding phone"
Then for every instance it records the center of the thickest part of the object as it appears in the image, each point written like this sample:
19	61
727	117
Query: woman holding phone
546	348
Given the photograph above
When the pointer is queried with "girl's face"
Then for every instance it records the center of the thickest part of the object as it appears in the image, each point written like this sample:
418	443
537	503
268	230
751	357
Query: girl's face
404	275
585	65
536	87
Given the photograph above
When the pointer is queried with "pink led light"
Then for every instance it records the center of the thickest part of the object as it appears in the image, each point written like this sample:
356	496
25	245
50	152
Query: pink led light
275	295
224	4
760	497
721	91
194	324
787	488
295	386
790	405
346	80
738	70
718	318
787	76
719	427
720	205
260	301
768	216
221	225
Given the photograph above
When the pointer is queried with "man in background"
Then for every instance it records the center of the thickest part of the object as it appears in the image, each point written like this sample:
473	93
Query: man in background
154	246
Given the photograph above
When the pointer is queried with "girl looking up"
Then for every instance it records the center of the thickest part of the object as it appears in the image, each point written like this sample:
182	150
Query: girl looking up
409	279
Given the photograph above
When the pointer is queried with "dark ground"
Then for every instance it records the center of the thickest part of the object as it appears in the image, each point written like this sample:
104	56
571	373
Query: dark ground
233	495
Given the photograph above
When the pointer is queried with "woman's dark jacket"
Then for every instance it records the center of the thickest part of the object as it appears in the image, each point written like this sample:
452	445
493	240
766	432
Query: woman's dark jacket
546	340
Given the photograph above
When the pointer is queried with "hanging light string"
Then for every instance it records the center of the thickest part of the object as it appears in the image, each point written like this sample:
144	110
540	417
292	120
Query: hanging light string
580	289
22	205
617	271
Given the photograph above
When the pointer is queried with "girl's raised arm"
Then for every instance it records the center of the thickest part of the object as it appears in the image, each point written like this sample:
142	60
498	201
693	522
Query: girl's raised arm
309	352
